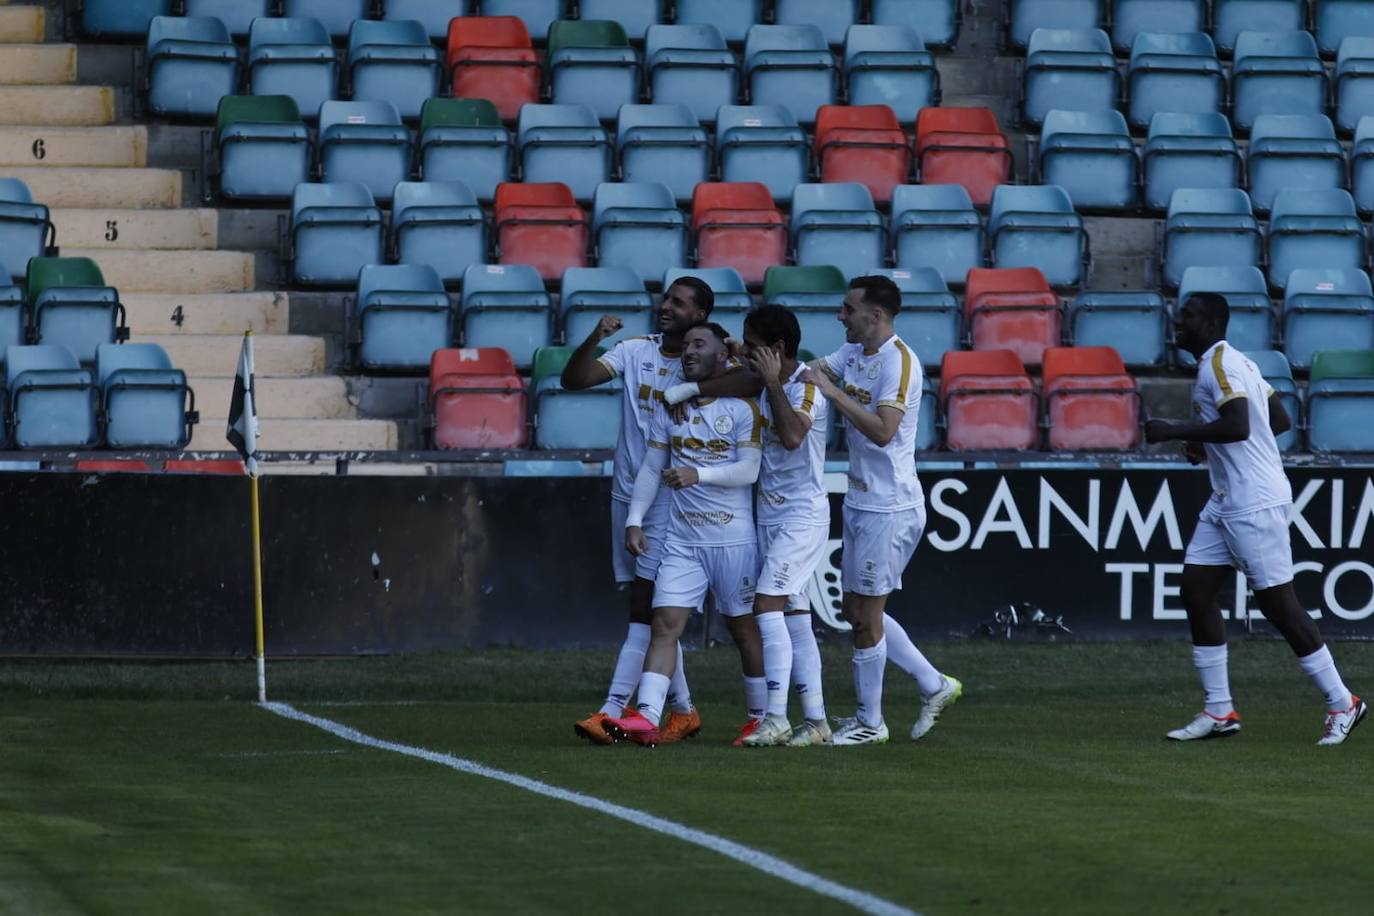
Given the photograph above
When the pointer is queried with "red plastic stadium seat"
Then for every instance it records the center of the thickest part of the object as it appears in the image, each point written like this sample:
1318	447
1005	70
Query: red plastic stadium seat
962	146
735	224
989	400
491	57
1012	308
540	224
1090	400
470	361
473	409
862	143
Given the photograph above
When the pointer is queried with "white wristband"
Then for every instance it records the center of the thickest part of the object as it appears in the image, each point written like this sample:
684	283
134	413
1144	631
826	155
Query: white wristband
683	391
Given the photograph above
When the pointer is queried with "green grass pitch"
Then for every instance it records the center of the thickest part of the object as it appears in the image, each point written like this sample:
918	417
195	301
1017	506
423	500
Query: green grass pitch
139	788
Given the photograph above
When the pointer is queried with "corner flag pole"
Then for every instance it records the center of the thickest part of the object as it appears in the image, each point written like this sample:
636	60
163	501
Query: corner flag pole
242	433
257	591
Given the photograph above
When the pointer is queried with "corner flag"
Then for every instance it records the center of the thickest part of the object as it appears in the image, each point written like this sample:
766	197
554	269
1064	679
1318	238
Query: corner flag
243	414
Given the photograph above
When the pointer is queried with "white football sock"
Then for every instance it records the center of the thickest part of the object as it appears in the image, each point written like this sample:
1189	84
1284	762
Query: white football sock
868	682
628	667
1210	662
777	660
653	689
756	696
679	697
1321	668
902	652
806	666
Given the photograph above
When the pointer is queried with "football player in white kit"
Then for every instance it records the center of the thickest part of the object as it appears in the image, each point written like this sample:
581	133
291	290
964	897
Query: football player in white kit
874	382
1243	526
709	459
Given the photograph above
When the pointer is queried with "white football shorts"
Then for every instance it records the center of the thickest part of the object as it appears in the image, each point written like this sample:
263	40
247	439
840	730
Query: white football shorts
877	548
626	565
790	555
687	572
1255	543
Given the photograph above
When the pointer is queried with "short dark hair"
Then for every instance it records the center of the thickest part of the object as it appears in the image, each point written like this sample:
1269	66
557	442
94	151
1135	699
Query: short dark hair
773	323
711	326
702	295
880	291
1214	308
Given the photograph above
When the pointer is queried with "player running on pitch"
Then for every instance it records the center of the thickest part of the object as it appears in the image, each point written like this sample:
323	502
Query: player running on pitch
1244	525
884	508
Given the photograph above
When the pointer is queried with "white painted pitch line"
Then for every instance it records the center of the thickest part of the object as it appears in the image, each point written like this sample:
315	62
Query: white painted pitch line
745	855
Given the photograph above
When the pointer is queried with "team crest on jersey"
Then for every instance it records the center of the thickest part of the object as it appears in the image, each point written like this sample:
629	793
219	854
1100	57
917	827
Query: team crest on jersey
723	425
873	370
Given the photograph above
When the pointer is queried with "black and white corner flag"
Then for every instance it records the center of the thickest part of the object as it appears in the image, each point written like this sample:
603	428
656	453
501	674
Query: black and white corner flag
243	415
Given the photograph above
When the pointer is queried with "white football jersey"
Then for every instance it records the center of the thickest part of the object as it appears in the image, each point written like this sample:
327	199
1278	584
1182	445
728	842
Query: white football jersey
791	482
647	372
710	435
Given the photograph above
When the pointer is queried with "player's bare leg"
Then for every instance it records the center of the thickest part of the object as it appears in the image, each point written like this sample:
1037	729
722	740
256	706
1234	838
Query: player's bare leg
641	726
777	670
1199	587
744	630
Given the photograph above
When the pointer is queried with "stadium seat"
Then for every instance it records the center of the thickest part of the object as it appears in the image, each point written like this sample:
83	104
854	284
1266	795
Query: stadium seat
734	18
337	16
393	61
1068	69
1036	226
791	66
1025	16
1340	401
537	15
764	144
1231	17
1131	17
1354	82
837	224
192	63
438	224
1012	309
1276	73
1324	309
101	19
403	315
476	409
636	17
1134	322
1188	151
928	422
988	401
464	140
237	15
264	147
931	317
433	15
935	226
665	144
507	307
14	323
26	229
1253	320
335	226
1339	20
638	225
1091	404
491	57
889	65
364	142
292	57
53	401
587	293
1274	369
814	294
1176	73
1310	228
564	143
733	301
73	307
540	224
146	402
1293	152
1208	228
864	144
962	146
591	63
1090	155
832	17
563	419
1362	165
690	65
936	21
734	224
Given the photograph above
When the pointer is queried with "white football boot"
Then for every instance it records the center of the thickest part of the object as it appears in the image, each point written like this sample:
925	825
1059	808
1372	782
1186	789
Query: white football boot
1207	726
773	731
851	731
935	704
1340	723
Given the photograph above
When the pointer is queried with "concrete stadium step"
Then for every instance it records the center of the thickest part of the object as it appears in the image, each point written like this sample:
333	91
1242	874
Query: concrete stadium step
206	313
285	435
315	397
101	187
37	64
21	24
137	229
71	106
65	146
218	354
171	271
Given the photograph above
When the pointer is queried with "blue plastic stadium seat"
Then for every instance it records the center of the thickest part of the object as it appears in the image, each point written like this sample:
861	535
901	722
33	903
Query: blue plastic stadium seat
364	142
1208	228
537	15
889	65
635	16
237	15
1362	165
1325	309
1339	20
1293	152
292	57
733	301
1354	86
791	66
1276	372
121	18
1025	16
637	225
25	229
1036	226
1188	151
440	225
1311	228
1133	322
394	62
936	226
433	15
734	18
403	315
587	419
264	147
1340	401
837	223
763	143
1131	17
1254	321
1276	73
1176	73
591	62
14	321
587	293
464	140
1090	155
928	423
832	17
936	21
1231	17
931	318
505	305
192	64
335	226
690	65
145	398
814	294
665	144
564	143
1069	69
337	16
52	399
72	307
